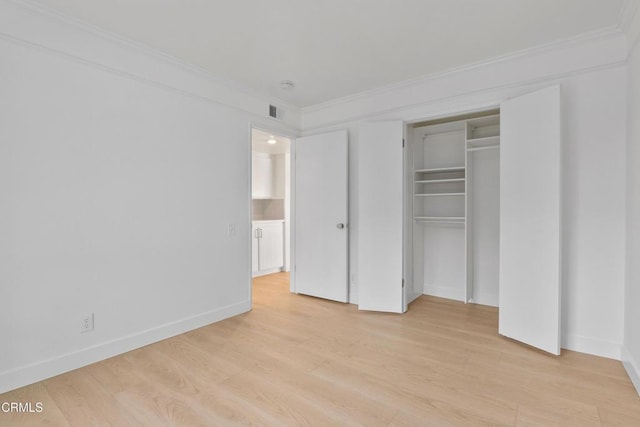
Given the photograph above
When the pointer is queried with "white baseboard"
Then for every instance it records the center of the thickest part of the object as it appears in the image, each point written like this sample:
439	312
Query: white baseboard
490	299
448	292
590	345
29	374
632	367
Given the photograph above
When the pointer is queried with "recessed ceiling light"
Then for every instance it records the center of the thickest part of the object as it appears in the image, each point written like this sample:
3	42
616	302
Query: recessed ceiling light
286	85
271	141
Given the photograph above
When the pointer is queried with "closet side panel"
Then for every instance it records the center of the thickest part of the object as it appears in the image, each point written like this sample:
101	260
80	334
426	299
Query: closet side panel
485	211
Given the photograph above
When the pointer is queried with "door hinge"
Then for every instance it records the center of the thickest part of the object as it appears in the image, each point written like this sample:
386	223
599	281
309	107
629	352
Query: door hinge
402	142
402	283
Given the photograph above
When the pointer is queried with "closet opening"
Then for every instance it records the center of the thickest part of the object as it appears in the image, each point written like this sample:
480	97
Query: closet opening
453	213
270	208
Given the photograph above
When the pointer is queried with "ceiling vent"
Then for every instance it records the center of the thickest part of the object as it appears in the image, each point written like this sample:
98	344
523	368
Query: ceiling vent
275	112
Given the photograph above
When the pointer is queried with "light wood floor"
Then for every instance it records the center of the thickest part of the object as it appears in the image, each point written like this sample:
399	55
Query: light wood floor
297	360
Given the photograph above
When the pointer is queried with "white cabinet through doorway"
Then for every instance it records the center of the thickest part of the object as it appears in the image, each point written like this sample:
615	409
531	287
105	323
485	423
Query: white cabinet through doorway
262	177
267	247
267	178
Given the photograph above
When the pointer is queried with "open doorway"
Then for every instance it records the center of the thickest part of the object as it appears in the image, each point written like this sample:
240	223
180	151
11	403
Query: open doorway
270	207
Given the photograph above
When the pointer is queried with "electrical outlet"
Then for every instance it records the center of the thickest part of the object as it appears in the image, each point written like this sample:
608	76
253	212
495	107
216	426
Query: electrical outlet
86	323
231	230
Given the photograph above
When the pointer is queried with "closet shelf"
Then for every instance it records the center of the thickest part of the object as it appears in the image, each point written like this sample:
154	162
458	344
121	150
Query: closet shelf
484	139
429	181
438	194
436	170
486	142
443	219
486	147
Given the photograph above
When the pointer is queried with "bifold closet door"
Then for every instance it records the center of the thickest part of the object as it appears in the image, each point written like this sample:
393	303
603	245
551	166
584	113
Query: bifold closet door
321	212
380	206
530	147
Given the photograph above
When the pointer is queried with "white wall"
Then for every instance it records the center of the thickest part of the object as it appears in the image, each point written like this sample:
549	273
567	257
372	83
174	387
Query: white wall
594	163
119	176
631	350
594	120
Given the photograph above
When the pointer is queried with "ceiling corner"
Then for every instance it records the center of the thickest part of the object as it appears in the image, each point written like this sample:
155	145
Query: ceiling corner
628	14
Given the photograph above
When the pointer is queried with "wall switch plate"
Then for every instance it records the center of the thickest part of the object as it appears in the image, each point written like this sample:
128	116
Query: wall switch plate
231	230
86	323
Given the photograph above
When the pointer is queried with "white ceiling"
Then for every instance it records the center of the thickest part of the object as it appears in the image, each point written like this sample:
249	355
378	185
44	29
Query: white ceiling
259	142
334	48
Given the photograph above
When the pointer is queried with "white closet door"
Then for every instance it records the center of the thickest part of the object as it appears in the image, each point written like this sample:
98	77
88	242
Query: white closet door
530	145
380	202
321	206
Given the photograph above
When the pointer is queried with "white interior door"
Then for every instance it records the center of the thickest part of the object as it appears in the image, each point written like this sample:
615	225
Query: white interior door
321	213
380	225
530	144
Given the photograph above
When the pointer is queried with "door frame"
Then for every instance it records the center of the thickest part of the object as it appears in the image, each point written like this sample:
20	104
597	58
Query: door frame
292	138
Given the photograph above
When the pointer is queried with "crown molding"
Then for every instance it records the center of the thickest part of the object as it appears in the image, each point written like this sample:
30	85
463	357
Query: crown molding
458	104
627	13
257	118
141	48
581	39
624	24
629	23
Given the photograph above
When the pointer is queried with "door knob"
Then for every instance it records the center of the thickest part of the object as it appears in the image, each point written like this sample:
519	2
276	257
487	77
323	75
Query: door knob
340	226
